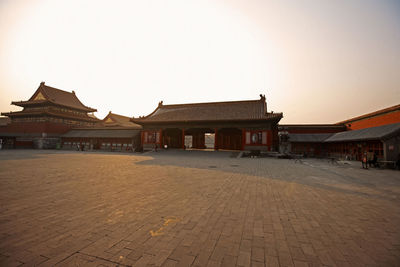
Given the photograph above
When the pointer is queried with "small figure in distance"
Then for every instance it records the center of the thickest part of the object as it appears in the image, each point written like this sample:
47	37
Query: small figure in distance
375	161
370	157
364	161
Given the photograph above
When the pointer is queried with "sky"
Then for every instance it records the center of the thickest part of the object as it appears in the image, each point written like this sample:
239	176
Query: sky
316	61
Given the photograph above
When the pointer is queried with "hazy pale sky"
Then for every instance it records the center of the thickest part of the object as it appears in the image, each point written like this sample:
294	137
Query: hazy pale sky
316	61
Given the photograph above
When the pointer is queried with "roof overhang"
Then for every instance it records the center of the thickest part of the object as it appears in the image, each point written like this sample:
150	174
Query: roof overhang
41	102
102	133
150	122
40	113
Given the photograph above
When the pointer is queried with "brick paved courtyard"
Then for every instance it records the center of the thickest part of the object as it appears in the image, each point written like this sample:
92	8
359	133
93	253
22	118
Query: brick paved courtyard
191	208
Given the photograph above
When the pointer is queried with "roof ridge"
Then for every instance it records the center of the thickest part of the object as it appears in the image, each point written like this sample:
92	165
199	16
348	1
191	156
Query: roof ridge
72	94
210	103
53	88
312	124
119	115
222	110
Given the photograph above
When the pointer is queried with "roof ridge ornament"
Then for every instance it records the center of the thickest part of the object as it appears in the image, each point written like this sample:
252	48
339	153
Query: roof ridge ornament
262	97
160	103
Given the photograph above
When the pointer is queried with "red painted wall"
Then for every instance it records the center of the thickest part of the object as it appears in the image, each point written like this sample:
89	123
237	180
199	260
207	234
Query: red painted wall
36	127
151	132
379	120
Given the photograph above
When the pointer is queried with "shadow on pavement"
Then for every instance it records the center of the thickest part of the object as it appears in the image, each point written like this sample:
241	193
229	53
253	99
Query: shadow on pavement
345	178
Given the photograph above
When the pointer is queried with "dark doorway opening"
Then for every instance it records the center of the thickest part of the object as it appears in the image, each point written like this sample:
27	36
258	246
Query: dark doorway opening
172	137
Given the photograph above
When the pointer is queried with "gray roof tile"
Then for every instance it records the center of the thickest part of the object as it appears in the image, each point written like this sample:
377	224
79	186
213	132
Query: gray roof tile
309	138
373	133
102	133
214	111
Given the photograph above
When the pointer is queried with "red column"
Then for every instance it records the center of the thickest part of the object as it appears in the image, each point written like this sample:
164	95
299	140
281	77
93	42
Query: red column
161	139
183	138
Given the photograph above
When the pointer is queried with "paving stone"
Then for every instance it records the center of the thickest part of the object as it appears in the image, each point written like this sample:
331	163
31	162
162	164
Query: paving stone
257	254
244	259
300	263
169	263
186	260
271	261
170	209
228	261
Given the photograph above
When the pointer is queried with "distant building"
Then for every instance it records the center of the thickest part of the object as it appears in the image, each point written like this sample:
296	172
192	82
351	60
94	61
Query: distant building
235	125
55	118
377	118
49	113
383	140
113	133
306	139
378	131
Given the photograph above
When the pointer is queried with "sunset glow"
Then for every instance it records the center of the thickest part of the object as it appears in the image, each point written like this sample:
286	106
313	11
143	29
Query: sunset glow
317	62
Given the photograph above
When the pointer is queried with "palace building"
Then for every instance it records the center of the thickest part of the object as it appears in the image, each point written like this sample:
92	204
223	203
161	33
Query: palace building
383	140
49	113
113	133
378	132
234	125
54	118
306	139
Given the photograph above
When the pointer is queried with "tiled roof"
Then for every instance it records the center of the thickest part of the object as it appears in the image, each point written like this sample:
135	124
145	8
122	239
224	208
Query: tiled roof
56	96
91	115
307	126
49	111
309	138
214	111
373	133
372	114
102	133
115	120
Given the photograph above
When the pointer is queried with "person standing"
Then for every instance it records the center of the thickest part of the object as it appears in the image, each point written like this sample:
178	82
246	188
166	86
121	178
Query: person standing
375	161
370	157
364	160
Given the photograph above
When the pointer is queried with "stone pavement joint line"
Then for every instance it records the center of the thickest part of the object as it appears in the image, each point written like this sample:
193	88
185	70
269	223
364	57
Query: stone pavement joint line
171	209
86	259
